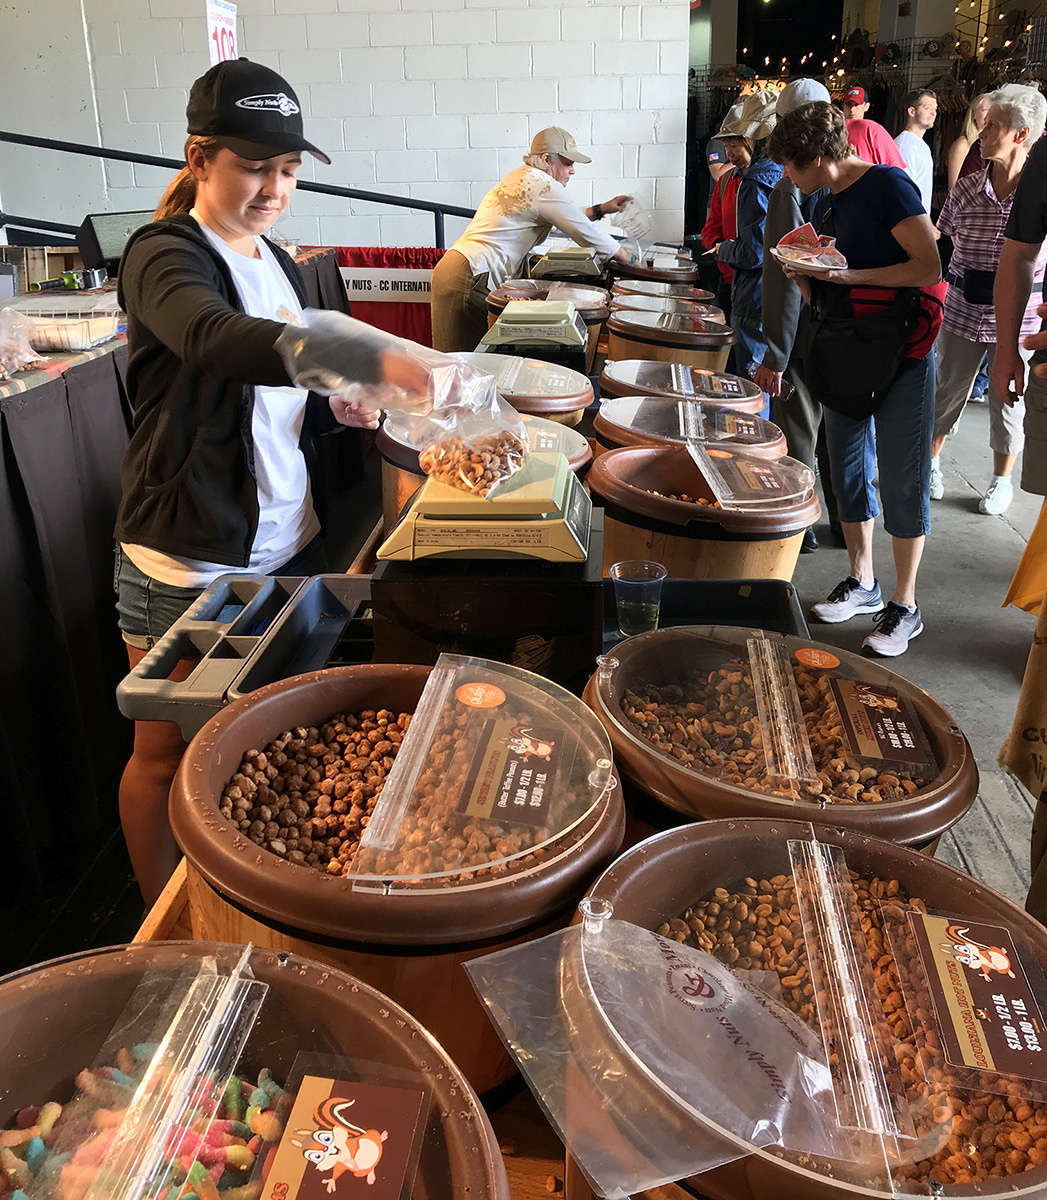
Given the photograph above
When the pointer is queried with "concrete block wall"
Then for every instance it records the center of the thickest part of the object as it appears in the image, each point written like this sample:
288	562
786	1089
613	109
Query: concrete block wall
433	99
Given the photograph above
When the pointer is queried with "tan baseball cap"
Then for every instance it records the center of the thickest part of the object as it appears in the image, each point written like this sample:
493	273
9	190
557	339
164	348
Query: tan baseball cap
555	140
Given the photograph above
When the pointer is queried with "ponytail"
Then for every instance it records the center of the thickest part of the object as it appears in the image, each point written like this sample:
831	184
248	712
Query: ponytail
180	195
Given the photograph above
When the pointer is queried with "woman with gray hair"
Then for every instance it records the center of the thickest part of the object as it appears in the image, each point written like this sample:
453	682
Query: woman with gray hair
515	215
975	216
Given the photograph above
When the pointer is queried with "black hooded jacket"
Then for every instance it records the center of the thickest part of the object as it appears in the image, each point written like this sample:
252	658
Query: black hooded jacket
194	361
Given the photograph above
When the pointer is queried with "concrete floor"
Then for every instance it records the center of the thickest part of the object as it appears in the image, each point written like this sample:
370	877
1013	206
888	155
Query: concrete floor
972	652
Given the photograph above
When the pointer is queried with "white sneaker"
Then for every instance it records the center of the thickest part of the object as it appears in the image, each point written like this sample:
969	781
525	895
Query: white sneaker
999	496
847	600
896	626
937	483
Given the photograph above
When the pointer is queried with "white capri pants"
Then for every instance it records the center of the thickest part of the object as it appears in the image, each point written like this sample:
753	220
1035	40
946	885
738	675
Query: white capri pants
957	367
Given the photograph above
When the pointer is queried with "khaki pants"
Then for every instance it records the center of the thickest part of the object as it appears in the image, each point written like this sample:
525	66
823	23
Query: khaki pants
1034	462
459	304
958	360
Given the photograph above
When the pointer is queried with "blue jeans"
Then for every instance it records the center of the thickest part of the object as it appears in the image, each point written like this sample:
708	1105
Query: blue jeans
897	440
147	608
750	349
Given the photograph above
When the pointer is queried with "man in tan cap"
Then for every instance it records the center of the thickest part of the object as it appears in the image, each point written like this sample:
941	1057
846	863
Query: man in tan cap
514	216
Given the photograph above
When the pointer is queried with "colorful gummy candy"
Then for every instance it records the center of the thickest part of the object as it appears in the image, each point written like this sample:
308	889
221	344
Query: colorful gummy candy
59	1151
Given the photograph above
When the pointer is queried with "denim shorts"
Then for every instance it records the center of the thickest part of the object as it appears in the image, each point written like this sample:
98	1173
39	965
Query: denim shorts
894	445
147	608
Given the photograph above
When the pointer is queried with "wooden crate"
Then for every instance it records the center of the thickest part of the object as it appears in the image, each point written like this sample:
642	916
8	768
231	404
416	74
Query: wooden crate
35	263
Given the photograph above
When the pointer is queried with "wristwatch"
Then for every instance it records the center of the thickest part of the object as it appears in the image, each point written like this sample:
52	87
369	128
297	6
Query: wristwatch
597	212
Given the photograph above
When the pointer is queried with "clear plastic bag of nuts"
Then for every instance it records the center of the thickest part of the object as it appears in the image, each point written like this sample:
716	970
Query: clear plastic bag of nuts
472	439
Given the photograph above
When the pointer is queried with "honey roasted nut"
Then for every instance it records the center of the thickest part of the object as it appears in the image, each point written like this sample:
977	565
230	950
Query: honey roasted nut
708	721
476	467
963	1134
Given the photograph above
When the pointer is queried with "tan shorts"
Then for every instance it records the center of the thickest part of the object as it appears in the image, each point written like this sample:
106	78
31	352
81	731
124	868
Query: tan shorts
459	304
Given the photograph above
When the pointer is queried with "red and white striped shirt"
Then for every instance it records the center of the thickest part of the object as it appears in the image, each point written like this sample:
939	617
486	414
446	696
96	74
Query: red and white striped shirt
975	219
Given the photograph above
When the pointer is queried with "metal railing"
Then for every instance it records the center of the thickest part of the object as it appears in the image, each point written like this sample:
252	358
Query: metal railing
438	210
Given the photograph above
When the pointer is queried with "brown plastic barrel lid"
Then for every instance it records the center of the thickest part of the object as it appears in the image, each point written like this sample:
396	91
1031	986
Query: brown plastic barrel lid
544	436
60	1012
591	302
648	377
655	659
668	304
657	420
533	386
670	268
655	287
307	899
642	479
673	329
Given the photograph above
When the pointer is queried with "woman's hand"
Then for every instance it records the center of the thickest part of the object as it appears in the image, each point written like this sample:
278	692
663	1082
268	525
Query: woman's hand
615	205
355	415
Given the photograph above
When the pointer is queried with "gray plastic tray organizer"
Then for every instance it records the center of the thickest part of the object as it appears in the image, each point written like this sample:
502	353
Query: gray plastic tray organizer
247	631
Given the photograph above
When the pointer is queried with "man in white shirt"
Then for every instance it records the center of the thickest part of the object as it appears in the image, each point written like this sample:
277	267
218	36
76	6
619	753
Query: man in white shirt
922	108
514	216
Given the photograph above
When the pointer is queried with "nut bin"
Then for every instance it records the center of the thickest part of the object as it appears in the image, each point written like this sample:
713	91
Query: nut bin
669	337
912	802
695	538
590	302
660	421
537	388
55	1019
662	268
406	933
402	476
667	874
668	304
679	381
652	287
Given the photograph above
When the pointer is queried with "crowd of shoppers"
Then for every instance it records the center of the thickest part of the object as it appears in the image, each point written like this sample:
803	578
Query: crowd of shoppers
869	367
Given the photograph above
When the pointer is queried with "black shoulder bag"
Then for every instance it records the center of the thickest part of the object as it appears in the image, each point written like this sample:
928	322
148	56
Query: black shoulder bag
849	362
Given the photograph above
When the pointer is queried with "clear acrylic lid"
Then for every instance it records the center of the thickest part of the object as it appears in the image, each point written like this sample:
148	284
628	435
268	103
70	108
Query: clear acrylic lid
658	287
515	376
582	296
679	380
798	721
498	768
680	324
668	304
749	481
679	420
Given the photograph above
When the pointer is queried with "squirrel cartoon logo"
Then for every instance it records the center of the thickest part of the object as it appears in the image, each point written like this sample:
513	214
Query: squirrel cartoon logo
973	954
522	742
866	695
339	1146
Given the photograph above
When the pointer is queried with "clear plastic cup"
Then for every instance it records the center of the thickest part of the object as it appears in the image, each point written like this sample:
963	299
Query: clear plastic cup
637	594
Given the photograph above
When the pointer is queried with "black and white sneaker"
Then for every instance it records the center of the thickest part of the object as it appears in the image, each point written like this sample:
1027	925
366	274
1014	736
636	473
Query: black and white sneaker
847	600
896	626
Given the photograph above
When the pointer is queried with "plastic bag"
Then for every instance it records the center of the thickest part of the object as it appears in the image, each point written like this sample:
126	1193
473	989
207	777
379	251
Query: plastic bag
635	222
16	354
656	1062
471	438
337	355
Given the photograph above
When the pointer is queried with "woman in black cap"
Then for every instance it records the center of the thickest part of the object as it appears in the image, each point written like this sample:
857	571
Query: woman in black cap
216	476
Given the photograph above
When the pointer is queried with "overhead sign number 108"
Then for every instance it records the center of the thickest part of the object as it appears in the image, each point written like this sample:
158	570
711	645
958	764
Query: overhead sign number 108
225	42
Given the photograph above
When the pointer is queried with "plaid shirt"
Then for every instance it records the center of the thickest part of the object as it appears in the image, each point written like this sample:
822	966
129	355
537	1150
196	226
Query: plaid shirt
975	220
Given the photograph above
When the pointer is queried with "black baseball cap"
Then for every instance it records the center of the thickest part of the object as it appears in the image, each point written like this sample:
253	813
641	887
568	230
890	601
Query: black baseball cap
250	109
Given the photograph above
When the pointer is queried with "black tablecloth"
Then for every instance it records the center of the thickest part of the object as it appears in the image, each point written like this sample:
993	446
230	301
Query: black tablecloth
63	742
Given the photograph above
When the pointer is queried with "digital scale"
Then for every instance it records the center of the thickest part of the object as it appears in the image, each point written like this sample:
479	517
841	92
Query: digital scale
542	512
551	330
570	260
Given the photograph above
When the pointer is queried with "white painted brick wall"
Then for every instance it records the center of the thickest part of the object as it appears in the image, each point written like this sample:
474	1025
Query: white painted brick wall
428	98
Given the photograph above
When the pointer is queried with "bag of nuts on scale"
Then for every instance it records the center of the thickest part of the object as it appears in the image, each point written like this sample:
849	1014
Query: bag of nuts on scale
472	439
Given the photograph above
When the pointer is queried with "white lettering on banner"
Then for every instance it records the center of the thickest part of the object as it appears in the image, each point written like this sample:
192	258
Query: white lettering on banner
387	284
221	30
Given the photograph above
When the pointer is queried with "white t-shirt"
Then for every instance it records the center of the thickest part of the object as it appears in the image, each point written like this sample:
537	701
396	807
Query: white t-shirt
918	163
517	214
286	519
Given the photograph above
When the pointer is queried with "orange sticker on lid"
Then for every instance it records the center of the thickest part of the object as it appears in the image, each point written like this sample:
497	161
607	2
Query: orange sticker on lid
817	658
480	695
719	453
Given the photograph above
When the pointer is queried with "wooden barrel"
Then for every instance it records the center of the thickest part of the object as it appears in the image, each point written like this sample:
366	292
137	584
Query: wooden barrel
537	388
402	476
408	938
669	337
693	539
660	421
